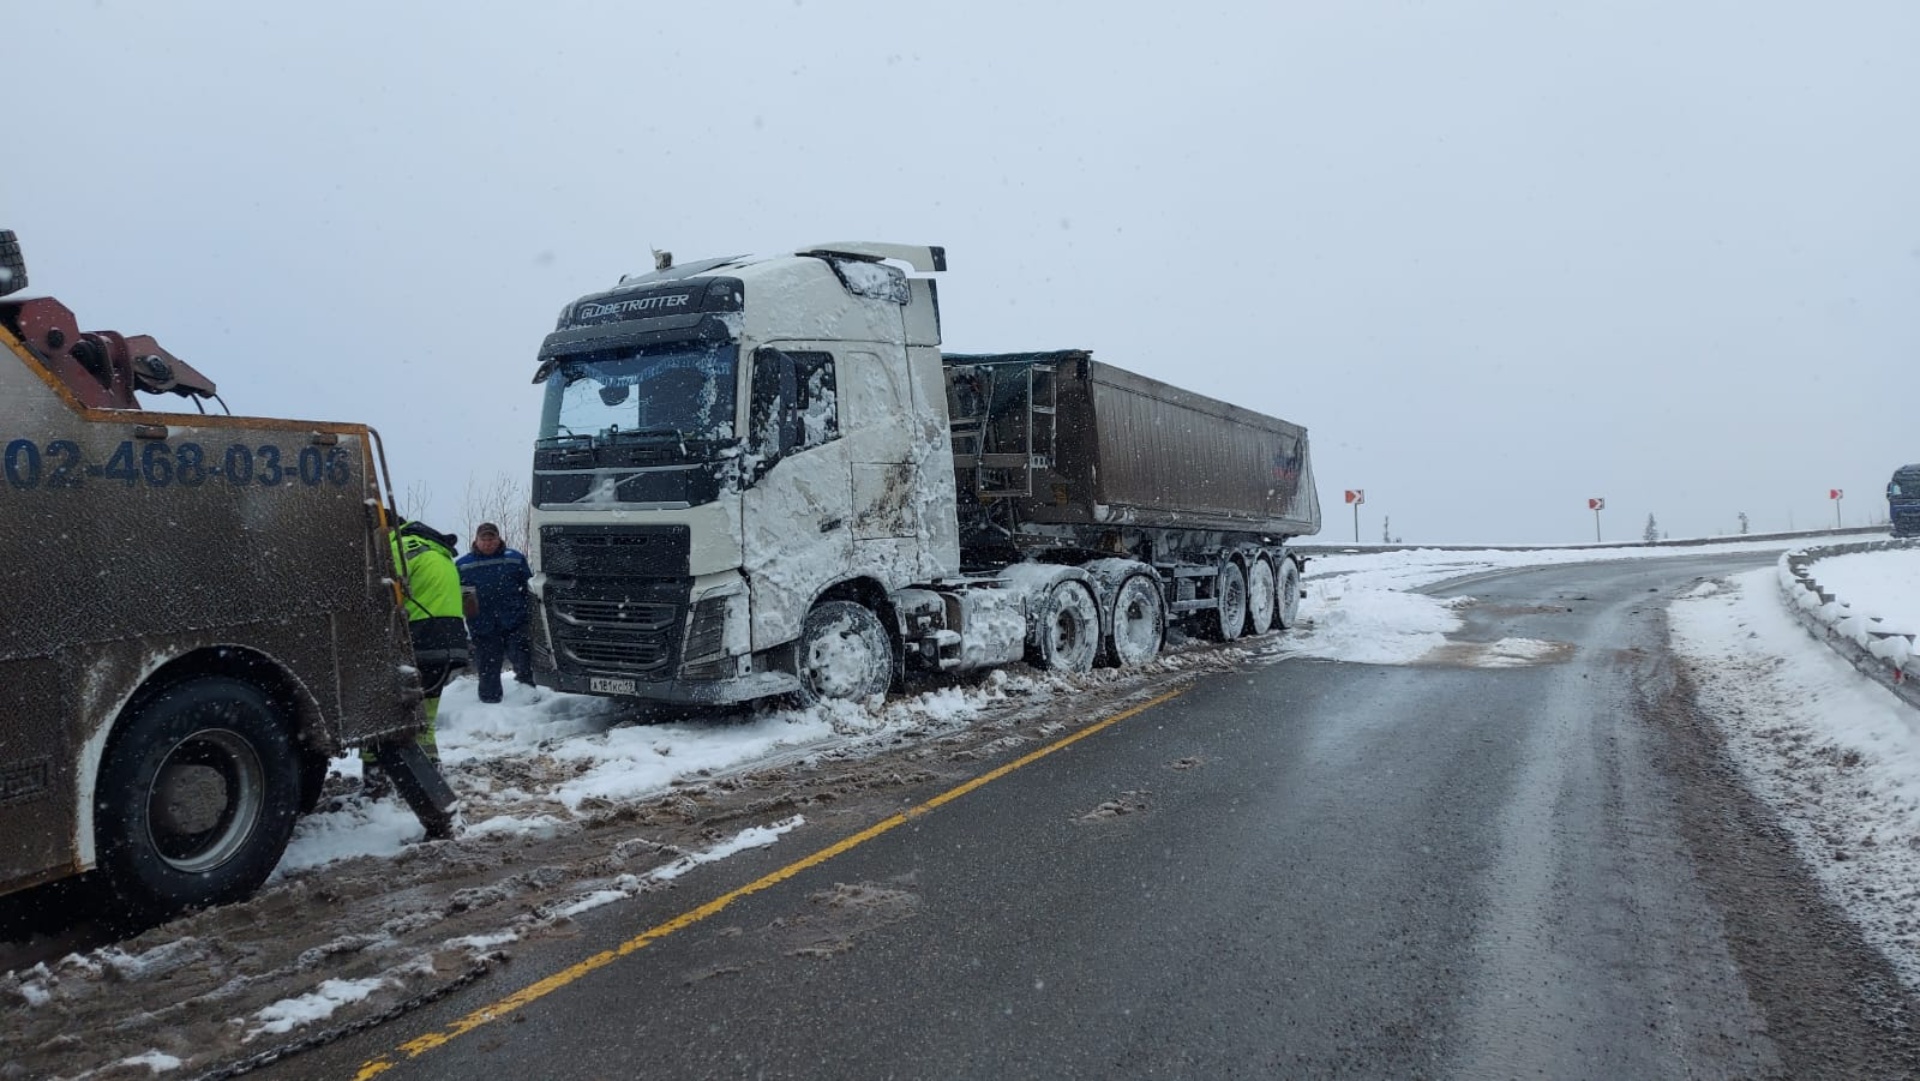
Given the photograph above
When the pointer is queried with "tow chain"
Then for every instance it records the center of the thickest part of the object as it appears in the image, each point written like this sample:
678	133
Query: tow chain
320	1039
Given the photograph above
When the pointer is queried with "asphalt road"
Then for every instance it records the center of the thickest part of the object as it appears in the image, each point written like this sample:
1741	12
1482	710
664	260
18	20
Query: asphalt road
1305	868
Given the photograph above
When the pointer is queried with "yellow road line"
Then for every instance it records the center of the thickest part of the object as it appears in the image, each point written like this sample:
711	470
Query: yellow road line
533	992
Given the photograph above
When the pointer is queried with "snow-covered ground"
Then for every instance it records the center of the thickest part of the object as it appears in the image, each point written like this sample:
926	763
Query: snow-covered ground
1838	755
539	758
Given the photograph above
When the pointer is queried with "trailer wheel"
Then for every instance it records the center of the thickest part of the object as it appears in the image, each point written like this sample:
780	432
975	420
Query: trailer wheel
1067	637
1260	597
1230	589
1288	611
1139	622
197	795
843	653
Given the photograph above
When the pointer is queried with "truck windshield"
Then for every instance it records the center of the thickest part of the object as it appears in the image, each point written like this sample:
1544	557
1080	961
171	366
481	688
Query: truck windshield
668	394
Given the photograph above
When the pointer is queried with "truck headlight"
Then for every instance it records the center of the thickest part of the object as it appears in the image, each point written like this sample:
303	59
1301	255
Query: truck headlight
703	655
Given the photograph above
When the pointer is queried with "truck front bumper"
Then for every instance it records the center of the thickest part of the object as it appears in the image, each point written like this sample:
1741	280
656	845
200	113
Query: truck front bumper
693	692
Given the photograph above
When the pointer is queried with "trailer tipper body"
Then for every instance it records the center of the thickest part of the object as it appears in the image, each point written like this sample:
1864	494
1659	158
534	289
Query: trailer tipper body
759	475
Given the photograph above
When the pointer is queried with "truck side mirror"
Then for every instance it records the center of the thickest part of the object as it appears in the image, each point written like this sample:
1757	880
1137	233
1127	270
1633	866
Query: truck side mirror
773	420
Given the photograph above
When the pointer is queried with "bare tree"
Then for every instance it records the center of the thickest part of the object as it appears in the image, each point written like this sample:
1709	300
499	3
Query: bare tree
502	501
415	500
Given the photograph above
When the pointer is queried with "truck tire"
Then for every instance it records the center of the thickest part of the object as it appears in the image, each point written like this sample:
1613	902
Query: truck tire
1287	612
1067	634
1261	596
314	768
1230	615
1139	622
843	654
197	795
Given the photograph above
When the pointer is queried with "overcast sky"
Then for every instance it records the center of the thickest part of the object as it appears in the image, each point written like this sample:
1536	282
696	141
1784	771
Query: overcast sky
1498	257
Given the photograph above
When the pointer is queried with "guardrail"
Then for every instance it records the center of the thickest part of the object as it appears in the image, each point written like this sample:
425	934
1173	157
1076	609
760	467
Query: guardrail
1885	654
1329	548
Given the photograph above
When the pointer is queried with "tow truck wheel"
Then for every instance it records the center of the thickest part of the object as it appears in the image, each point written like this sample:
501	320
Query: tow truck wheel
1068	635
1260	597
314	768
197	795
1288	611
1139	622
1230	588
843	653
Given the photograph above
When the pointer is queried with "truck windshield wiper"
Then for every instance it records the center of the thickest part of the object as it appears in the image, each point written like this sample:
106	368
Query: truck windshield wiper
651	434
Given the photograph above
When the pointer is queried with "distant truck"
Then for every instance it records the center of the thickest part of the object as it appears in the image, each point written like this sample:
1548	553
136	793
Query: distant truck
759	475
1903	501
200	612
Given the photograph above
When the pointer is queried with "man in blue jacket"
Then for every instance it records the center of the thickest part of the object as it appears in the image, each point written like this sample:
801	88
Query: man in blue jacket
498	576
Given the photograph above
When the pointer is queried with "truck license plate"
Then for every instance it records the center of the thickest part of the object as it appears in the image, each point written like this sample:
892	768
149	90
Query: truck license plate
602	685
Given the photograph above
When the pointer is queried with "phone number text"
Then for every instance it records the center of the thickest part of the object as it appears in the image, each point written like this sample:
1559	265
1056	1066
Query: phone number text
62	463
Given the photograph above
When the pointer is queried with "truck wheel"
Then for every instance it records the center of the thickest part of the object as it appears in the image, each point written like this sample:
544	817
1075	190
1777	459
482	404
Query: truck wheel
1260	597
1288	611
1139	622
314	768
1068	634
843	653
196	795
1230	588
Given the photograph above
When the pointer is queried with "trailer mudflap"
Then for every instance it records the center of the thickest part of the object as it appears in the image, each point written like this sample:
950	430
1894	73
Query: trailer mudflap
417	778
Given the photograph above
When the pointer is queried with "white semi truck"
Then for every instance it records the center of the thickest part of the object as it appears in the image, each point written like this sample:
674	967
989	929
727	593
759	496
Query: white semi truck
759	475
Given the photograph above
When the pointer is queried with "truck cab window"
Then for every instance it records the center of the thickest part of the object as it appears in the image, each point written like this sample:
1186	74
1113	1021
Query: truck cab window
796	412
817	398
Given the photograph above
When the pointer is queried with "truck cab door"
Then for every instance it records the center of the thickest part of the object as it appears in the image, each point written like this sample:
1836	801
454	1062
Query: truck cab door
796	511
880	424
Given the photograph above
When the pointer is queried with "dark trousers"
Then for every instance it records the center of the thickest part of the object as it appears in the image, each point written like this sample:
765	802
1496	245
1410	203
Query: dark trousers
490	649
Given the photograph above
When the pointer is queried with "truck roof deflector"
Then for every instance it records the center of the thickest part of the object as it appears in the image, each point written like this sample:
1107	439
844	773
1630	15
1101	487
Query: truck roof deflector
924	258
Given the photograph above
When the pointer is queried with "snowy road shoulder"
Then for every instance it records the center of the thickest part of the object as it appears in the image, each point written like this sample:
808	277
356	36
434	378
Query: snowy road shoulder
1836	756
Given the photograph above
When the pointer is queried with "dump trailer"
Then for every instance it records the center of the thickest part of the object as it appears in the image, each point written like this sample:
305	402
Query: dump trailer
759	475
1903	501
201	610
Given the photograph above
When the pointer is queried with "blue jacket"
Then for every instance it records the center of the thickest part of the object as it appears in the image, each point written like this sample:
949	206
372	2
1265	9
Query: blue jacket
501	582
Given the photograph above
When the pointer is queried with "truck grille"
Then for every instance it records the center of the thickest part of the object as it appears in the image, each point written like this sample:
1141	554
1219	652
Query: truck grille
616	598
627	658
618	616
620	627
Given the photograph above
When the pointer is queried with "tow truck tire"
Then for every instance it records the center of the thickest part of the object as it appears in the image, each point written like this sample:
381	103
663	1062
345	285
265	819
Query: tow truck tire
314	768
1230	589
1261	597
197	795
1287	612
843	654
1139	622
1067	637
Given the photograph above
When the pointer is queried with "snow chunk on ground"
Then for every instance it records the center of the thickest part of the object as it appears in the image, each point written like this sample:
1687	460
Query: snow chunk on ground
318	1005
1359	621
